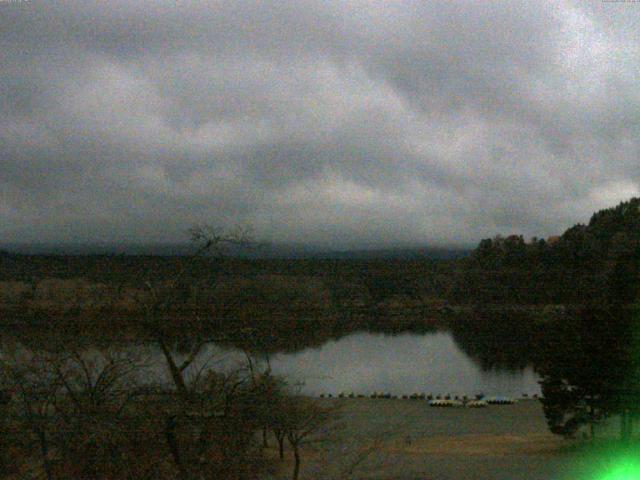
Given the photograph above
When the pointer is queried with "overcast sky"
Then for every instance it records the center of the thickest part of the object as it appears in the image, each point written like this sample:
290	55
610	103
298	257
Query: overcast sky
336	123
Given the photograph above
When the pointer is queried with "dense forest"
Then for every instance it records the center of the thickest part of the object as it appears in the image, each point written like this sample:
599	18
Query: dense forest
567	269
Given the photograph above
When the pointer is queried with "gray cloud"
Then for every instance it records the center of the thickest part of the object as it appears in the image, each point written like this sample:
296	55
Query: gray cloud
330	122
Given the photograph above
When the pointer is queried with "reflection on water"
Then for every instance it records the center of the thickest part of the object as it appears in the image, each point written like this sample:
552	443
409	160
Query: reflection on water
402	364
432	363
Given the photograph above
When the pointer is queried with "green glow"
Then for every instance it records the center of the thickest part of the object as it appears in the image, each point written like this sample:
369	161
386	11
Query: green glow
605	460
625	470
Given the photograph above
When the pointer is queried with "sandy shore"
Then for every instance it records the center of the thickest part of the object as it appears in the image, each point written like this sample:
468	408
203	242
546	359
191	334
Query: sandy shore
408	440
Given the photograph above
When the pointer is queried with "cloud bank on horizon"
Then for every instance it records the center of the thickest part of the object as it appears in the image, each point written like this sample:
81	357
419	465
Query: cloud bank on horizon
335	123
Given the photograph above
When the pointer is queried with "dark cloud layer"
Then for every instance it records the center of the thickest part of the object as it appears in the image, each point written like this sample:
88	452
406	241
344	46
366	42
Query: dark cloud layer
341	123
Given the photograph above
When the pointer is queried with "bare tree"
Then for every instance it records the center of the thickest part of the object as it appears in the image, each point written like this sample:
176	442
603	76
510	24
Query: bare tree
163	298
304	422
99	380
359	458
214	434
212	240
99	423
182	344
35	387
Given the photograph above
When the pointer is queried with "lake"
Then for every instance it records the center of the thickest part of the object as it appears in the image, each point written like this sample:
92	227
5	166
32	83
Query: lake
399	364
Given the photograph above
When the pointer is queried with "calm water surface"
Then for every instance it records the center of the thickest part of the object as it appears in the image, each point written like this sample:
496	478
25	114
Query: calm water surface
402	364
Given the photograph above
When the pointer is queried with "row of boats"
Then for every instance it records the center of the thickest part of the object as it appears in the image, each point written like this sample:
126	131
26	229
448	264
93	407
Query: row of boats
438	401
473	403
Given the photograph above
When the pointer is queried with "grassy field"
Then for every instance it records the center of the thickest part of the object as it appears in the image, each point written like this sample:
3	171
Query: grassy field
408	440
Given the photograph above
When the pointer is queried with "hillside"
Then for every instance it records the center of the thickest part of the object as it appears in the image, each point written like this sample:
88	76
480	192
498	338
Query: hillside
592	262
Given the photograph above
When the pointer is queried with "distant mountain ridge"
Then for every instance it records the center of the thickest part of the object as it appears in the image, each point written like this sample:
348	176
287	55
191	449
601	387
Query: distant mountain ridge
617	224
263	251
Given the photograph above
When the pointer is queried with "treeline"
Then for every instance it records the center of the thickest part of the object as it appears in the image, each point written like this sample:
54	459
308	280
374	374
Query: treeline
590	370
289	305
588	360
573	268
503	270
347	280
